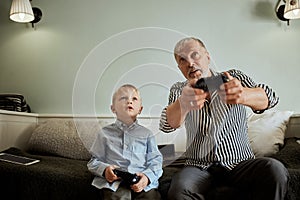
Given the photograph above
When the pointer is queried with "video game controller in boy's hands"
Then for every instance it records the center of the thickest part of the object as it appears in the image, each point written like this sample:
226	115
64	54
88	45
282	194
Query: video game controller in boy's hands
126	176
211	83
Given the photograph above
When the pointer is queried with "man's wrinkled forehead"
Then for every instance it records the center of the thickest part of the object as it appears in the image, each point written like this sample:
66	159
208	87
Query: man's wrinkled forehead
185	43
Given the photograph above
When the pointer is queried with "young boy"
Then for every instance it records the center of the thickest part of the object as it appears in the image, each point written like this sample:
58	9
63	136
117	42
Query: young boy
128	146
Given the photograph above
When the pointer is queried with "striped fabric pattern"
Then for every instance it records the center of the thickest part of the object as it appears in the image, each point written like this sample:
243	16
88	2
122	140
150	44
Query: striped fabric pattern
14	102
218	131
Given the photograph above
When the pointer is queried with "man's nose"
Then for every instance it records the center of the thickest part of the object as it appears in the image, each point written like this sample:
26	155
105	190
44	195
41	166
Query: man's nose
190	62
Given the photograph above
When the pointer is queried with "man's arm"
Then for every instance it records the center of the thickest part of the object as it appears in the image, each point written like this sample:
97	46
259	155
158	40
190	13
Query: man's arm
257	98
190	99
175	114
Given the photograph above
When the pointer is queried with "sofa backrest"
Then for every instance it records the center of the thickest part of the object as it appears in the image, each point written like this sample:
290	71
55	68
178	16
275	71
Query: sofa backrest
16	128
293	127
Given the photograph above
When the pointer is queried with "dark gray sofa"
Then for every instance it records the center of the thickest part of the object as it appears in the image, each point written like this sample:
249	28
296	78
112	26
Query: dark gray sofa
56	177
65	176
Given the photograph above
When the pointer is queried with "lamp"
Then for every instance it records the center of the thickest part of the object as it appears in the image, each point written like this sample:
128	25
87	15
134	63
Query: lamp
287	11
21	11
292	9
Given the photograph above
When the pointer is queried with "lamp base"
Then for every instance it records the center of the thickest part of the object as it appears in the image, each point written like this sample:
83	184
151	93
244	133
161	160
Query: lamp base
280	13
37	15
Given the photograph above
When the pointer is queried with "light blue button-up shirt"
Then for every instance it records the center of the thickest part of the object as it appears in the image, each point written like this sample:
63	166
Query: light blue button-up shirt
133	148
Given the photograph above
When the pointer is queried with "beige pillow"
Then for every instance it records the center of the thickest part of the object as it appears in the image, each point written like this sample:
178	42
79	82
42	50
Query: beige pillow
66	138
266	131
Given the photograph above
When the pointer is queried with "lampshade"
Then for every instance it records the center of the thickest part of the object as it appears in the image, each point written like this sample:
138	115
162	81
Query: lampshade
292	9
21	11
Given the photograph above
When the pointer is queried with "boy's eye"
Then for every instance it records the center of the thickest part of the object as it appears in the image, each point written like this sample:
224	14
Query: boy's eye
135	98
123	98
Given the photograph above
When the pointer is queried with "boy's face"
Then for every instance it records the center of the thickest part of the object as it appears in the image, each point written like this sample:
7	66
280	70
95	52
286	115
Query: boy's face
126	105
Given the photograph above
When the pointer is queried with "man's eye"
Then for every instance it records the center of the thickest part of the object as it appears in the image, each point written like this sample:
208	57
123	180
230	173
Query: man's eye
181	60
195	55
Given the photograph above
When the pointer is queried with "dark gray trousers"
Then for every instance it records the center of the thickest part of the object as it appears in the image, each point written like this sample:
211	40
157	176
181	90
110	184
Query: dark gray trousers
125	193
255	179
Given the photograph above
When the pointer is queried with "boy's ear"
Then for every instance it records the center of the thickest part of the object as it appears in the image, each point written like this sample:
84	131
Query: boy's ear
141	109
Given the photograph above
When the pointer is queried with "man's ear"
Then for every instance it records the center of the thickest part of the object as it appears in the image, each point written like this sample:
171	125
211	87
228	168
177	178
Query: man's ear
208	56
112	107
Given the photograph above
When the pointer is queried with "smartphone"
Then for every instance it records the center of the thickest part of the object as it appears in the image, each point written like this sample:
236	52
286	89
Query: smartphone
22	160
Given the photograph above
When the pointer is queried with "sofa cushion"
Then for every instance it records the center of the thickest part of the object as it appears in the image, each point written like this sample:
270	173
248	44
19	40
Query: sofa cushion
266	131
66	138
289	155
58	178
53	178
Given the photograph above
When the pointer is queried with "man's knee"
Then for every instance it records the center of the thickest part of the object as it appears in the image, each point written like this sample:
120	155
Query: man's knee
184	194
190	183
276	170
276	179
176	190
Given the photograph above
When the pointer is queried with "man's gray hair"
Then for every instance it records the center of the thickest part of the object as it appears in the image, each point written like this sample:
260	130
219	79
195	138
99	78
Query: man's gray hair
181	43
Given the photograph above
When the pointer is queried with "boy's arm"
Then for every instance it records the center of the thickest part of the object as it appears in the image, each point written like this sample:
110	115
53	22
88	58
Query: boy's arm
154	161
96	164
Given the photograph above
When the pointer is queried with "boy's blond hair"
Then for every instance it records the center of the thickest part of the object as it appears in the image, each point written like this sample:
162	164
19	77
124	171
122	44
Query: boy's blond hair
125	86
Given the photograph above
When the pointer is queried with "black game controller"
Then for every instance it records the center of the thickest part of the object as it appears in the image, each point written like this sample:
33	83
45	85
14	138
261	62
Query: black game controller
211	83
126	176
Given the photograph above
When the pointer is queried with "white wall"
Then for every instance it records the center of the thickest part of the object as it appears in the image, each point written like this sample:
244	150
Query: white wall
82	50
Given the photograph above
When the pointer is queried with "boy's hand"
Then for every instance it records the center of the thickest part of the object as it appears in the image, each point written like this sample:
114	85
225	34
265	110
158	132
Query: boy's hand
139	186
109	174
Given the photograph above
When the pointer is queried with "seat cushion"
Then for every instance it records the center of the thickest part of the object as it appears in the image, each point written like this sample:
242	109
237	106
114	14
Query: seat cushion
52	178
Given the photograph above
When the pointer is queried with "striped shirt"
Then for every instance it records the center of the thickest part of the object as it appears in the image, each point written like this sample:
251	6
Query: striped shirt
218	131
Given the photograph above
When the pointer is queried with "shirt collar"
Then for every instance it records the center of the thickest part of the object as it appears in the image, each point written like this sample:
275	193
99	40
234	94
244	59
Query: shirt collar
124	126
214	73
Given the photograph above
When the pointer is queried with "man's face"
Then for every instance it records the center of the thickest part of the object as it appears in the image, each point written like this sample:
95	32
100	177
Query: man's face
193	60
127	104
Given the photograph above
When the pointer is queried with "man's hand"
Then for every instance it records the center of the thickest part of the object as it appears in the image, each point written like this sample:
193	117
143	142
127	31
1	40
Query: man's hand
109	174
192	98
139	186
232	91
